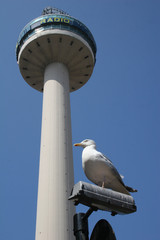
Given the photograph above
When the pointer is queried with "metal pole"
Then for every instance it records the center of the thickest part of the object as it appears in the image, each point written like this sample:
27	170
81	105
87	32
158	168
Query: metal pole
81	226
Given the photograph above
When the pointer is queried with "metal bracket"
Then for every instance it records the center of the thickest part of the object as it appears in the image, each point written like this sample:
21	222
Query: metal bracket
81	224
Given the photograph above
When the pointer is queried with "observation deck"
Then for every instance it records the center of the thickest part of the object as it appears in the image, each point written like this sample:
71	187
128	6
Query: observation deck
56	37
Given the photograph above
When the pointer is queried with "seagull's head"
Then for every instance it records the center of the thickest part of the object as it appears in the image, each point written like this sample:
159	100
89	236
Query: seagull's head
86	143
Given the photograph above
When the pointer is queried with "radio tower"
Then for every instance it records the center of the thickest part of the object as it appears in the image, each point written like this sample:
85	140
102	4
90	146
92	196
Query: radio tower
56	55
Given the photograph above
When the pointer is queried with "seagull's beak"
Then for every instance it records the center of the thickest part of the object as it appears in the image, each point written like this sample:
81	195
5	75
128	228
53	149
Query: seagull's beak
77	144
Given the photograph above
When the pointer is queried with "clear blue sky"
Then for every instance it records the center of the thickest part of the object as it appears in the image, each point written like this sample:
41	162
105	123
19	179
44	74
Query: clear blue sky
119	108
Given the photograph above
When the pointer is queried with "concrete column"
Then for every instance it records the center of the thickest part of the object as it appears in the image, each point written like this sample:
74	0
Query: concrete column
54	211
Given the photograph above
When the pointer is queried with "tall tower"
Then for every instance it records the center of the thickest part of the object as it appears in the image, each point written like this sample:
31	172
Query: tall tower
56	55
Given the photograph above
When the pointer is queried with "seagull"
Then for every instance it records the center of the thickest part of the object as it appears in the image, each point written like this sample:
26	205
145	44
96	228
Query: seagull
100	170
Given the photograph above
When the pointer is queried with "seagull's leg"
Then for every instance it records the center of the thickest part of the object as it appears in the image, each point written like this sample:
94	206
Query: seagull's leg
103	183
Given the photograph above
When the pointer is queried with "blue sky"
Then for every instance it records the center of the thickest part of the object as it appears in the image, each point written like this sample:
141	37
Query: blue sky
119	108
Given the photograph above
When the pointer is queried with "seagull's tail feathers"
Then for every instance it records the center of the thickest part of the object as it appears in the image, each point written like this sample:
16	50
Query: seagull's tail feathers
131	189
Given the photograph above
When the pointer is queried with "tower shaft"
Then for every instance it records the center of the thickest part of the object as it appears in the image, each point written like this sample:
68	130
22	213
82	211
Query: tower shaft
67	47
54	211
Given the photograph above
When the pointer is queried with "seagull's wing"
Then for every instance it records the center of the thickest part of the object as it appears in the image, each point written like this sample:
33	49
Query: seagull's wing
102	157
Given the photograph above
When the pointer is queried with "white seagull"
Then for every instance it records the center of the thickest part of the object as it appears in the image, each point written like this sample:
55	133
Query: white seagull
100	170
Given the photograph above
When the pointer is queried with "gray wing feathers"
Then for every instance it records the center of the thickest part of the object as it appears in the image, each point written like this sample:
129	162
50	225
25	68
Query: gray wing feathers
110	164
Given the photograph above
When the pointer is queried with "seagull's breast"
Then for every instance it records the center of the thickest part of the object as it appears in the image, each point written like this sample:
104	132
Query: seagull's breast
96	170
